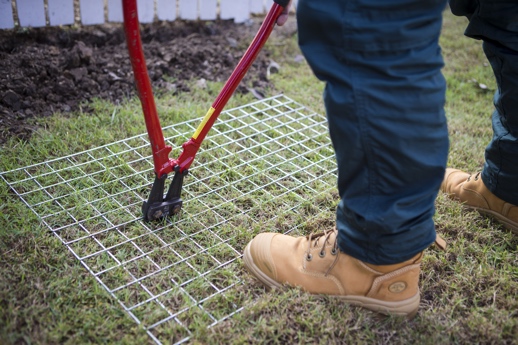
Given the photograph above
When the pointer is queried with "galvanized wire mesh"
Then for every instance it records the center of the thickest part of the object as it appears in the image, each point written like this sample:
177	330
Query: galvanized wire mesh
265	166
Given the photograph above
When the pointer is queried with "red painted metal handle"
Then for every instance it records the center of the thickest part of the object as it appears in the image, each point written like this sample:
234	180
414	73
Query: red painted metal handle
190	148
162	163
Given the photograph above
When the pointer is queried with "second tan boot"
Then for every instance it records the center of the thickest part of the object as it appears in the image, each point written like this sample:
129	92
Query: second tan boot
472	193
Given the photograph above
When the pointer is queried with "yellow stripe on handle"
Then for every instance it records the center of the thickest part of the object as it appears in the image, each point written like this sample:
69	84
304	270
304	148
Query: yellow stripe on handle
202	124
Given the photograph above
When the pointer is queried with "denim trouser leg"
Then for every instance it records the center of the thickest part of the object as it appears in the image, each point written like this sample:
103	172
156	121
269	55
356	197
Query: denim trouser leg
496	23
384	100
500	172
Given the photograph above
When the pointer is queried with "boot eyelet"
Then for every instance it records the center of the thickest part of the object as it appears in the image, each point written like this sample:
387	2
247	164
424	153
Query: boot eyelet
334	251
322	253
309	257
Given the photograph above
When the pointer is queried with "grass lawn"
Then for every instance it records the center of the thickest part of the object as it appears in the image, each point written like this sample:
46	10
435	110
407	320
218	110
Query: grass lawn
469	292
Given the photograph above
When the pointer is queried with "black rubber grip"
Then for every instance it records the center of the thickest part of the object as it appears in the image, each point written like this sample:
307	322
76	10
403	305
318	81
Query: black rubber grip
282	3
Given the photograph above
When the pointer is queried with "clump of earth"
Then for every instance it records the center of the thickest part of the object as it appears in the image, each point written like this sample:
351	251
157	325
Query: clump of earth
58	70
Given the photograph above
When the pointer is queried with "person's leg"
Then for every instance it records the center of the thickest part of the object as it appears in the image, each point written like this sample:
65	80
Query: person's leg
496	191
384	99
391	145
500	172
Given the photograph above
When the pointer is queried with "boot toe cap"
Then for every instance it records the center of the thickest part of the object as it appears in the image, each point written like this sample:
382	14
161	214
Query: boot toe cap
453	178
259	256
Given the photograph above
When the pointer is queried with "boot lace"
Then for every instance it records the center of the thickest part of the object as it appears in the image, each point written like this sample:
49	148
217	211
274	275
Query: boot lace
477	176
322	239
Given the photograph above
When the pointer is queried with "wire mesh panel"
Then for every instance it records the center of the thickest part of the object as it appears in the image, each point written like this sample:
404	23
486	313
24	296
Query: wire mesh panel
265	166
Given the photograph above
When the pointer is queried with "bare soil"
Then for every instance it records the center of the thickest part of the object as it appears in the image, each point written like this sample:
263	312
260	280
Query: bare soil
51	70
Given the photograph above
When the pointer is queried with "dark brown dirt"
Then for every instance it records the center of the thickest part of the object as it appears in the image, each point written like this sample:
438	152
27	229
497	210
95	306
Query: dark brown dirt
52	70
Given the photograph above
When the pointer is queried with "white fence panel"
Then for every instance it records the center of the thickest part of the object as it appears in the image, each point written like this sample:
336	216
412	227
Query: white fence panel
166	9
31	13
208	9
61	12
146	10
115	11
189	9
6	15
92	12
257	6
226	9
237	10
242	13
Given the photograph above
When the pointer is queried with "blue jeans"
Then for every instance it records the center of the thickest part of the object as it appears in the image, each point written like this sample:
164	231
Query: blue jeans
496	23
384	99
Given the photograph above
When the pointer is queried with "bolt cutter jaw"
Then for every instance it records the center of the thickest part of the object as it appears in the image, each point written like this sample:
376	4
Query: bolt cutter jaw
159	205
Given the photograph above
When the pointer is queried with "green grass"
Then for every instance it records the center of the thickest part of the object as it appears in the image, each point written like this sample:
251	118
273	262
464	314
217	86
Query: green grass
468	292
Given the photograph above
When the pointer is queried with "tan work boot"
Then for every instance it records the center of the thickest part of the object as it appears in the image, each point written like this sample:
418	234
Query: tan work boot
316	264
471	191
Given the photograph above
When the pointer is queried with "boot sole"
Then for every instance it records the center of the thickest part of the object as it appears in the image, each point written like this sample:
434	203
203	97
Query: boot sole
407	307
506	222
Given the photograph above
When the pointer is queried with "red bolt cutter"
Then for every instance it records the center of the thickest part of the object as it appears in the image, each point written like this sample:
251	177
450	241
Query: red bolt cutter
159	205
